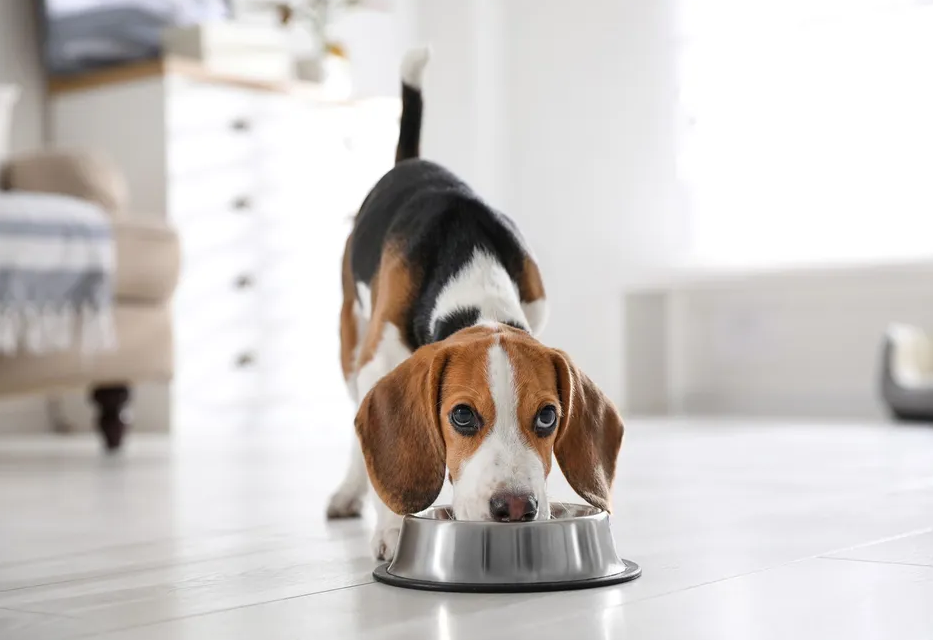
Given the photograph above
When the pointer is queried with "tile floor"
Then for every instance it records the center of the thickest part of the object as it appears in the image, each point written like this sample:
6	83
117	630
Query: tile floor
745	529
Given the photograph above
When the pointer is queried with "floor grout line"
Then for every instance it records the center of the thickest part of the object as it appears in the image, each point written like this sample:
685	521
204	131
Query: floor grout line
883	562
738	576
770	568
899	536
204	535
792	562
126	545
40	613
152	566
225	610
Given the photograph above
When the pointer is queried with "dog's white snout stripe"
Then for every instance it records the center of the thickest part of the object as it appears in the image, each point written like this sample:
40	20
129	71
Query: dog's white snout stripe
504	461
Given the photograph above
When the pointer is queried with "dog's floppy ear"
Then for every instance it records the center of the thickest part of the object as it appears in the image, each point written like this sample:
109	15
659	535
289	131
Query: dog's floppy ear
398	425
589	434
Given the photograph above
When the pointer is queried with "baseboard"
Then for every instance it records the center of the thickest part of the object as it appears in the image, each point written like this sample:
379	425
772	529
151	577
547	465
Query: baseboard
150	410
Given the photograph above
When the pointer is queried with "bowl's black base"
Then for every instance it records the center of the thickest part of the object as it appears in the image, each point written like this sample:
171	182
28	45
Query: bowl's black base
381	574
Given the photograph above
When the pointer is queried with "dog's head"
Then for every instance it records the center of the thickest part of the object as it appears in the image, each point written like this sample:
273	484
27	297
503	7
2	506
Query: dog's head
490	404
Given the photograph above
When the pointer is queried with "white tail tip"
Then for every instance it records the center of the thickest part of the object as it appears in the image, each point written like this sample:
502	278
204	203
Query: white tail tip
413	64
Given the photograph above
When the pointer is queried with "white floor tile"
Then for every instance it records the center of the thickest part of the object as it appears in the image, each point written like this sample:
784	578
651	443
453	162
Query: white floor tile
744	530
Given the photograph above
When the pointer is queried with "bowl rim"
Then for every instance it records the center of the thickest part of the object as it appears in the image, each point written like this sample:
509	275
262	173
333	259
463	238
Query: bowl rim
597	514
631	571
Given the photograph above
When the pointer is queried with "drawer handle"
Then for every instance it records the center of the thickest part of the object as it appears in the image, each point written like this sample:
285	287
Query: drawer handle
245	359
241	124
242	203
244	282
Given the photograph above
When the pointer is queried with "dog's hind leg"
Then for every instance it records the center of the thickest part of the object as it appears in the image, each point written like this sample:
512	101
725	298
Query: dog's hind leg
347	500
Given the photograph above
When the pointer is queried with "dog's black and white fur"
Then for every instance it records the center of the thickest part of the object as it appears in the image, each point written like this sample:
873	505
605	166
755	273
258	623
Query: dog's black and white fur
445	232
427	257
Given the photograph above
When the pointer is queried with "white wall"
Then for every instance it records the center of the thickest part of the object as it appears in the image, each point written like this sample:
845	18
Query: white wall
465	104
591	96
564	118
20	63
801	342
816	153
571	120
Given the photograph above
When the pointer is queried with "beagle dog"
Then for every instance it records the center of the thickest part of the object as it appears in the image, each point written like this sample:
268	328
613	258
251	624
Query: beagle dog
442	300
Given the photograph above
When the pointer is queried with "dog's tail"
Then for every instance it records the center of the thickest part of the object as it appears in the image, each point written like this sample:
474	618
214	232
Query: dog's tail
409	135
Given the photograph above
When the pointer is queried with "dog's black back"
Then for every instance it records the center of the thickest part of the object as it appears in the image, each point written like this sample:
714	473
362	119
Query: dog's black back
438	223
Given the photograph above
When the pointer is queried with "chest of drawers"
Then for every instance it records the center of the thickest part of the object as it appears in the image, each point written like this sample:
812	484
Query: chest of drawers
261	183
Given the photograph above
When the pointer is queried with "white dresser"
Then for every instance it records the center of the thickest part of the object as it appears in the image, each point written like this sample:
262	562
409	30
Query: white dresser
261	182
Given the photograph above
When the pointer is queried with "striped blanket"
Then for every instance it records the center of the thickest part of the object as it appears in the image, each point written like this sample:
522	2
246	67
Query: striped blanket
56	275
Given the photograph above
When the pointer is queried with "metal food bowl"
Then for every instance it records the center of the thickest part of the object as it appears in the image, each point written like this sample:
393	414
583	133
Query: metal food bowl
572	550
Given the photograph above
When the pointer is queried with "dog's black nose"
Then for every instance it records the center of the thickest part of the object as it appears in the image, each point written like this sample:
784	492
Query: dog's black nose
512	507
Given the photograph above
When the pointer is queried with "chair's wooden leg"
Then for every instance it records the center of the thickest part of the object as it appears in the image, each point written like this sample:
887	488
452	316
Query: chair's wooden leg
112	414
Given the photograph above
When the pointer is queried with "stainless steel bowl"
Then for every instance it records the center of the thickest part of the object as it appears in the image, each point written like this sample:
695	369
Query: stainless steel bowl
572	550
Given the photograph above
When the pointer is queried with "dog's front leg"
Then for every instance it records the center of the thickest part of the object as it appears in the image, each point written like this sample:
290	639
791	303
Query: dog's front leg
385	537
390	353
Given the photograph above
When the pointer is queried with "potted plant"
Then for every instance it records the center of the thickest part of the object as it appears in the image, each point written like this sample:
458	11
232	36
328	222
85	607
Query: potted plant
328	62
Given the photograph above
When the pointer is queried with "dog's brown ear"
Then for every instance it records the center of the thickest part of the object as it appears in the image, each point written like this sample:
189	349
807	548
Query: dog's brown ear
398	425
589	435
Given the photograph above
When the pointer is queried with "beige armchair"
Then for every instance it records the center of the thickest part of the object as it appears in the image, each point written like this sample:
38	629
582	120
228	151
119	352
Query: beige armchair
147	265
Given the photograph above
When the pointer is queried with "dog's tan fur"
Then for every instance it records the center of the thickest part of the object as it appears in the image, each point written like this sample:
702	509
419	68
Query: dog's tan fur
408	442
348	322
530	285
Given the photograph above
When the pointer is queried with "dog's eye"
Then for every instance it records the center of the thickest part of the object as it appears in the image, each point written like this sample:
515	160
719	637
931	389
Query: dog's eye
546	420
464	420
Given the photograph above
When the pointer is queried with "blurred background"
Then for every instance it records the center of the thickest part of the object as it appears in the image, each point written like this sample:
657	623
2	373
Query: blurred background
730	200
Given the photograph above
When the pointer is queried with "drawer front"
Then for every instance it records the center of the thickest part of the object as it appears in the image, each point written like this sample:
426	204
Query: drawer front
210	277
217	364
209	236
262	190
200	320
301	294
315	383
208	126
196	414
232	350
193	107
218	389
198	153
320	173
227	189
303	363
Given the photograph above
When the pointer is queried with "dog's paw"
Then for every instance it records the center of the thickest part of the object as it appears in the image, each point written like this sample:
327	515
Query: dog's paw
384	543
344	506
